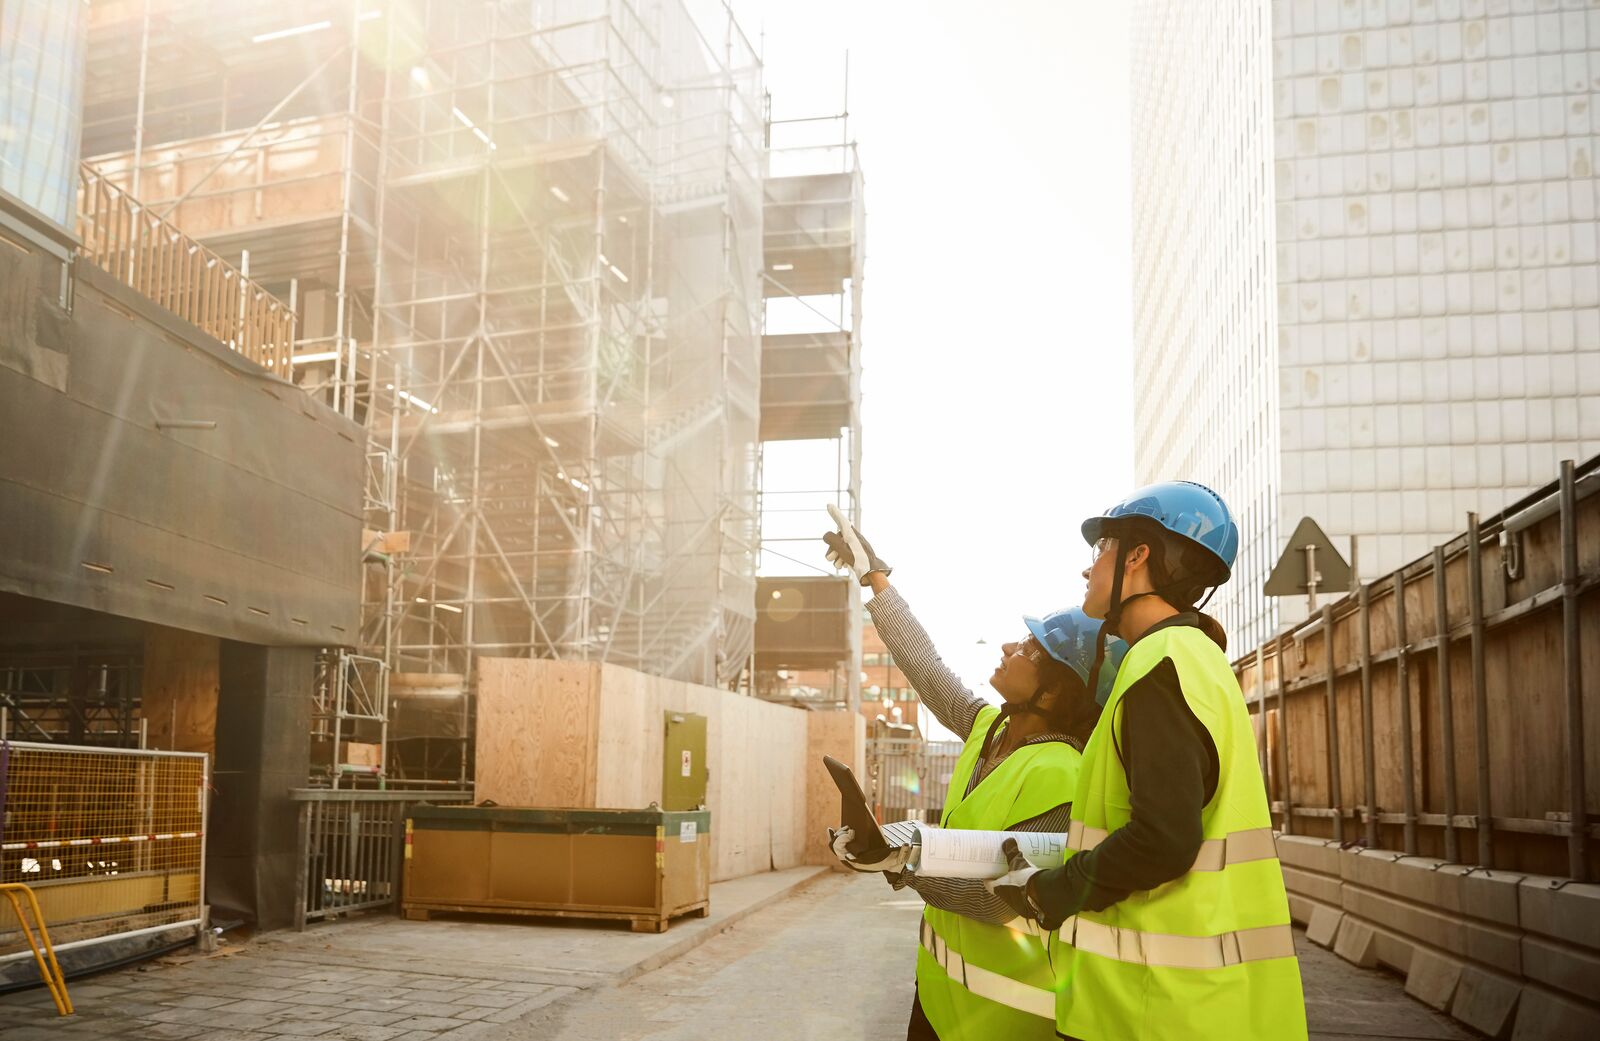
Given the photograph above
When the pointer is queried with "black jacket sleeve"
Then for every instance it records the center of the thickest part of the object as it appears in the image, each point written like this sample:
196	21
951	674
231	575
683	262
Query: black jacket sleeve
1171	764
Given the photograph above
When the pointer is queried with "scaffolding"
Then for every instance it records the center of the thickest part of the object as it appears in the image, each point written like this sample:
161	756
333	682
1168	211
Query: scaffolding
349	710
524	244
809	620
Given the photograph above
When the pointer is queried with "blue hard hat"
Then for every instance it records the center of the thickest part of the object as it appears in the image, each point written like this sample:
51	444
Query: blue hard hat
1068	636
1190	511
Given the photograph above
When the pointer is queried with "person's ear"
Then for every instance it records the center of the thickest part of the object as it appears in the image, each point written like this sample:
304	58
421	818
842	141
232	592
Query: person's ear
1136	558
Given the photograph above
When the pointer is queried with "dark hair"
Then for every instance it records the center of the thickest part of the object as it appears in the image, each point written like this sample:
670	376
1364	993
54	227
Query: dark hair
1186	581
1075	711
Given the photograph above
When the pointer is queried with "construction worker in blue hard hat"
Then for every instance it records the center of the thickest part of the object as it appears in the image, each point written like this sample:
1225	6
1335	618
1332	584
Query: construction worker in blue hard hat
1168	919
982	972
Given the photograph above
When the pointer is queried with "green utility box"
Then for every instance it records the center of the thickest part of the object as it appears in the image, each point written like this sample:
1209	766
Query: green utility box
683	766
643	866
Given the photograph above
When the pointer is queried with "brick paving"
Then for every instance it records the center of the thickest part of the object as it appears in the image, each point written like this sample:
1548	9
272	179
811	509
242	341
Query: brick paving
256	995
374	978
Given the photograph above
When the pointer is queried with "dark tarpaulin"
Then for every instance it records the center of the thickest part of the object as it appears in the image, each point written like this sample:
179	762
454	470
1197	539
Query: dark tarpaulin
242	521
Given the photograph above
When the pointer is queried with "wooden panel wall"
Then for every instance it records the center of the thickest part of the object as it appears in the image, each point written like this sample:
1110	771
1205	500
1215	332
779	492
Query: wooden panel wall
1524	687
842	735
585	734
178	689
291	172
536	732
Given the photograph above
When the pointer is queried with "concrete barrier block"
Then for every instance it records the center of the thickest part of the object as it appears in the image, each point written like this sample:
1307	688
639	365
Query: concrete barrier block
1301	908
1423	880
1492	895
1426	881
1474	940
1356	943
1569	912
1310	854
1493	945
1319	887
1394	950
1324	925
1486	1001
1405	917
1575	970
1547	1016
1369	867
1433	977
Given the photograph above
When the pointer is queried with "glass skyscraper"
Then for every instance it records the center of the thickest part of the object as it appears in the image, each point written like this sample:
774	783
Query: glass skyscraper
1430	341
42	45
1204	296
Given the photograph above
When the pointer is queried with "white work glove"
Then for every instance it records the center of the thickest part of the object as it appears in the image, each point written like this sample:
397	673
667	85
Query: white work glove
1012	887
847	549
893	860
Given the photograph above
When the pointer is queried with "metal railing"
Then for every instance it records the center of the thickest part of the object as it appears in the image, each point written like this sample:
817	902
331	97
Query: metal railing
111	840
909	778
125	238
351	847
24	904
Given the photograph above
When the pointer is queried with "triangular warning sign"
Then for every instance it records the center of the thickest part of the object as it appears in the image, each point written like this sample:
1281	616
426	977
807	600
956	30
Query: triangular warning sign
1289	577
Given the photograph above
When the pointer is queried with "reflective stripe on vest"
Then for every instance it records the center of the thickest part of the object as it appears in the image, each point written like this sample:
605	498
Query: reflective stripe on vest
1236	847
1004	990
1178	952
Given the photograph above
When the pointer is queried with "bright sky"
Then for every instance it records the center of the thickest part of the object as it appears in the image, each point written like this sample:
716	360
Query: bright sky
996	335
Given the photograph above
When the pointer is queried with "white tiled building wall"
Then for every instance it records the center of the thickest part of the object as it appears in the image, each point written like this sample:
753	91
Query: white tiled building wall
1204	299
1437	314
1439	295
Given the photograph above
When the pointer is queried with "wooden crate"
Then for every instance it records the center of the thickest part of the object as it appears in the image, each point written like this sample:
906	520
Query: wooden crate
645	867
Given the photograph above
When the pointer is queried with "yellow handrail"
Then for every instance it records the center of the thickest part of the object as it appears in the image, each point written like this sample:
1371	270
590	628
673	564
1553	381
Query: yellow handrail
49	971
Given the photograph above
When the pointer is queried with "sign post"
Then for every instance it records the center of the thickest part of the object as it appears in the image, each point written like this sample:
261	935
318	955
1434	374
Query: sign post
1309	565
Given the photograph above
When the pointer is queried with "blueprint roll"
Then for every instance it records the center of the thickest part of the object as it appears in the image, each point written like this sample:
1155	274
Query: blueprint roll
956	853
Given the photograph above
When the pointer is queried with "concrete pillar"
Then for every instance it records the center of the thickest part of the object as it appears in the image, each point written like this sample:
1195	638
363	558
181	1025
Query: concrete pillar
263	750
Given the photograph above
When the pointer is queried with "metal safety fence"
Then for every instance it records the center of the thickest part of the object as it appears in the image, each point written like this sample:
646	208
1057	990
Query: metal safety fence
351	846
909	778
112	841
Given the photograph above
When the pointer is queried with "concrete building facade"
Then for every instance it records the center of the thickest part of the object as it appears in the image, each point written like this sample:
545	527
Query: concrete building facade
1204	299
1437	299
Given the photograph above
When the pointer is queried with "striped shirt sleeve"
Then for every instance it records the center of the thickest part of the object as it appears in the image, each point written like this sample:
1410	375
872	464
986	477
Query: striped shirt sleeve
967	896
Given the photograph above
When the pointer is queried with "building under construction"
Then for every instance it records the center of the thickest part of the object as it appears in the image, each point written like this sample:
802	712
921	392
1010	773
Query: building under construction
529	249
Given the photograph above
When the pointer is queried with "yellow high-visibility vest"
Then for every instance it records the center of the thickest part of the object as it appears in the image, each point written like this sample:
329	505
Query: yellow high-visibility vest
976	981
1209	954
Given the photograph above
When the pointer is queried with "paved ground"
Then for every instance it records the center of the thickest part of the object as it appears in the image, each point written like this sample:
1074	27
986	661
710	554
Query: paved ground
836	964
832	965
832	962
1343	1001
375	978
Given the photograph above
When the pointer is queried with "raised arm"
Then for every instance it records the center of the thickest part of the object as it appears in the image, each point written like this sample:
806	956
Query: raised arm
940	689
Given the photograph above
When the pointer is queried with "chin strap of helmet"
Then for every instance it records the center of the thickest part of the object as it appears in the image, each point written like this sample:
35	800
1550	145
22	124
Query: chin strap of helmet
1008	710
1109	626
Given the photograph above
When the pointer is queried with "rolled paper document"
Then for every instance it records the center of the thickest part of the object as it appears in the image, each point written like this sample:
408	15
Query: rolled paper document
955	853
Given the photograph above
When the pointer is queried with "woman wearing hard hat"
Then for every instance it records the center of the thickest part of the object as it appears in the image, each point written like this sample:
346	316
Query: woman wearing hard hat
1169	918
982	972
